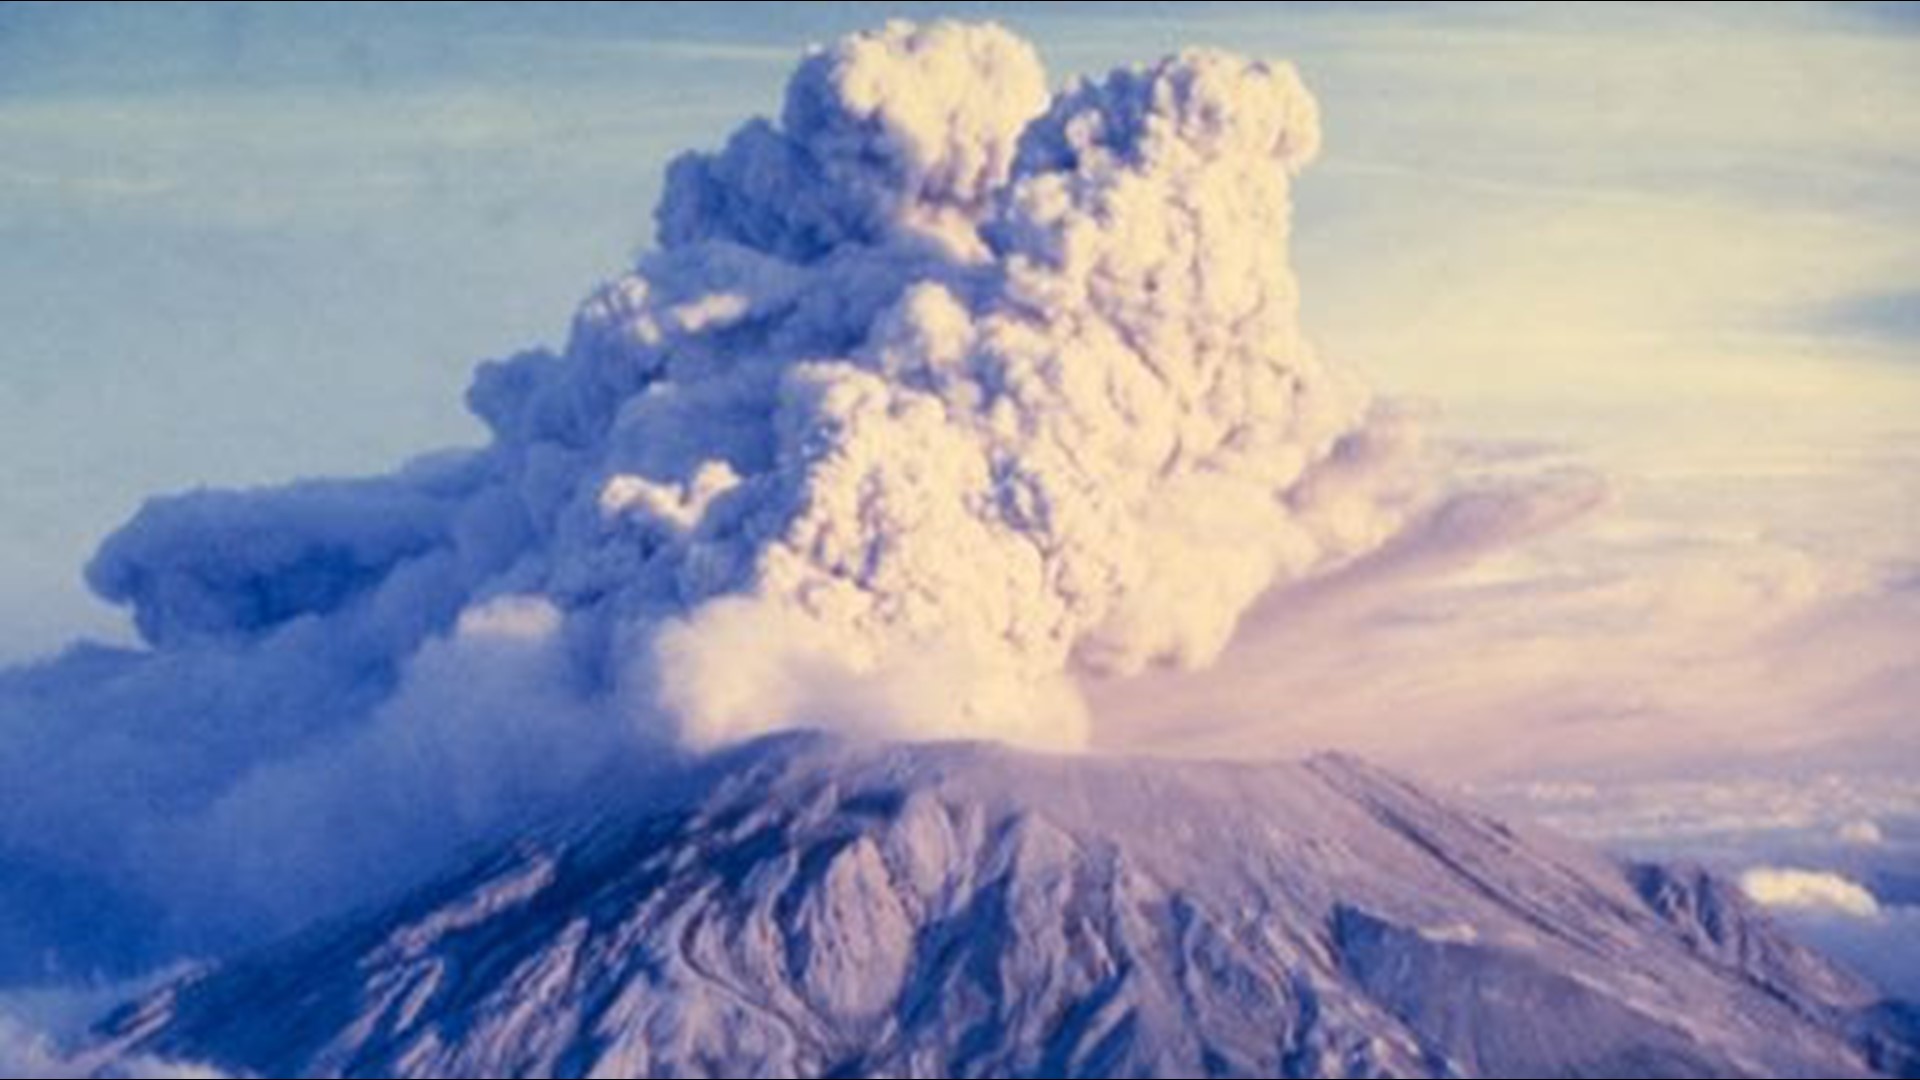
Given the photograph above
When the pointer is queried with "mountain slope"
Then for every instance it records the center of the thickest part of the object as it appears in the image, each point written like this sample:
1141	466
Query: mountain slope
812	908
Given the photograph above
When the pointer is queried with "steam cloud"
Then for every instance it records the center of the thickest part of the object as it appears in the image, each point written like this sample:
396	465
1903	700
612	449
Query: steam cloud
937	394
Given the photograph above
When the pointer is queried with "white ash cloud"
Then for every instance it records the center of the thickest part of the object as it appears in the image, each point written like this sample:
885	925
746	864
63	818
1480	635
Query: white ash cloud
937	374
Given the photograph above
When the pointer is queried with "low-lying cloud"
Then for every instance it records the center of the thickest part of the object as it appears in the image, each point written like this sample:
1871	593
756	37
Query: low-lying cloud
1818	891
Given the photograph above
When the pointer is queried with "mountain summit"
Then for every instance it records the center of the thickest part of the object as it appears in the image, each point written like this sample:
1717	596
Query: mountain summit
808	907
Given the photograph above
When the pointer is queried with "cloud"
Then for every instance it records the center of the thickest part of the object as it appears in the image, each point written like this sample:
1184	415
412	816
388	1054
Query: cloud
1808	890
1010	380
1749	817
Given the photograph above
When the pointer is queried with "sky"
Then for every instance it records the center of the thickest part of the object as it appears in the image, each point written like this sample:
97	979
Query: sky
1652	267
1674	248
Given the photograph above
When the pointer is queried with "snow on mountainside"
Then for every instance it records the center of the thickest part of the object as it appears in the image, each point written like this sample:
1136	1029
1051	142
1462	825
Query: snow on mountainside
814	908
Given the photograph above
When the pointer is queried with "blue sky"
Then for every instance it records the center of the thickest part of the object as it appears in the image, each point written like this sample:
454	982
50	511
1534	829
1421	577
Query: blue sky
1670	246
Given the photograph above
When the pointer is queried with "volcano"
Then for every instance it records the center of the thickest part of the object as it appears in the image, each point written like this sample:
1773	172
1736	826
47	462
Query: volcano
806	906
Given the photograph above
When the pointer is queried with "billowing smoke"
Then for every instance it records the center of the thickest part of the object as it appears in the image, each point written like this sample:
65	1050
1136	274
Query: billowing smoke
938	394
931	390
